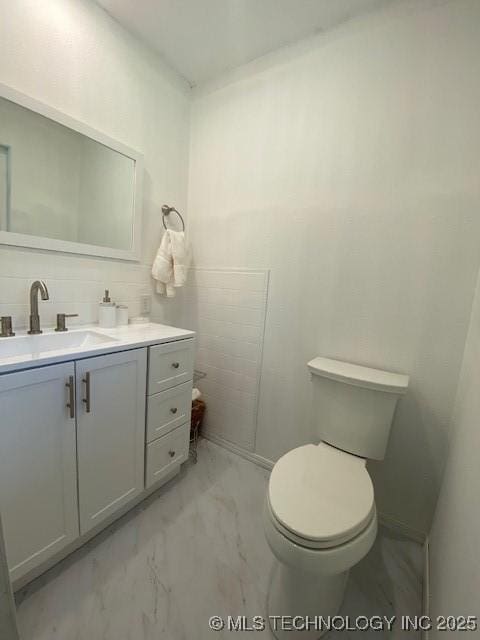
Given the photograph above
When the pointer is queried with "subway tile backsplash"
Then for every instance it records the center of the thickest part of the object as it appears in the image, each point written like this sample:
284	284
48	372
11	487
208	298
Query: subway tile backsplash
75	284
227	309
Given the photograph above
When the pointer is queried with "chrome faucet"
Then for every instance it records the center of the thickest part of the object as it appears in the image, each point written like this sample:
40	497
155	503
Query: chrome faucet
37	286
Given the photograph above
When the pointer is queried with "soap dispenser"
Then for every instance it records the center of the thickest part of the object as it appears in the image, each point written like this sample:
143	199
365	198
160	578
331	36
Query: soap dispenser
107	314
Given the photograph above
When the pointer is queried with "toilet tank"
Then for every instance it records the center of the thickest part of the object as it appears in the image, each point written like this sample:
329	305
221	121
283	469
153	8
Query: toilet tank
354	405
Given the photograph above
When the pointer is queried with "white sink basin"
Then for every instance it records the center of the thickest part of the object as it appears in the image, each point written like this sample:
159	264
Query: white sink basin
34	345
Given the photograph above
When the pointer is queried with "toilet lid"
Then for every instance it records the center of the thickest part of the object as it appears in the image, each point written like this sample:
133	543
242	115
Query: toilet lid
320	493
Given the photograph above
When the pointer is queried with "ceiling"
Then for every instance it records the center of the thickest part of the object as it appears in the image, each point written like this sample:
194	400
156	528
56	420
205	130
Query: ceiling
202	38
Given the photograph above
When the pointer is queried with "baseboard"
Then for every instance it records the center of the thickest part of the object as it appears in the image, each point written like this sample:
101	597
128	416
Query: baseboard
426	584
243	453
401	528
385	520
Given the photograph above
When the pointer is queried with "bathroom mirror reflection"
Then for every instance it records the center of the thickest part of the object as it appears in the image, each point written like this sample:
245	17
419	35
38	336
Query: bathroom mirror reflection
64	186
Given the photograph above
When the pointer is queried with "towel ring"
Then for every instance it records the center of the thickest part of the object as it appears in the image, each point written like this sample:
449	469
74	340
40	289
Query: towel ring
166	211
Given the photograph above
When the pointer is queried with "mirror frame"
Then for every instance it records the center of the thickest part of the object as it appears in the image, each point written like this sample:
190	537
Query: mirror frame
51	244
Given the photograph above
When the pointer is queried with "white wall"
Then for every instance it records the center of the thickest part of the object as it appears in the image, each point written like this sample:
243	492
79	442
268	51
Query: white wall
349	167
454	555
71	55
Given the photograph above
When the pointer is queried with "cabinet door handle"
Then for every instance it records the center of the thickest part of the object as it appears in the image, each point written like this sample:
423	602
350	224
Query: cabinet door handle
175	365
71	396
87	399
171	453
174	409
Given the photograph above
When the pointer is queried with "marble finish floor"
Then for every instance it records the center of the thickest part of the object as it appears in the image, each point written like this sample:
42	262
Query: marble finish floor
192	550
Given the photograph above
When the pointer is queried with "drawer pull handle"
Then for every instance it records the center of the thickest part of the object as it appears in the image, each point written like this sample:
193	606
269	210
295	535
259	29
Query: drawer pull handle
175	365
174	409
171	453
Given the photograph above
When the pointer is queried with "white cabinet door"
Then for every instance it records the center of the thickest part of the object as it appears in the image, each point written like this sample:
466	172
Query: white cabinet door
110	433
38	486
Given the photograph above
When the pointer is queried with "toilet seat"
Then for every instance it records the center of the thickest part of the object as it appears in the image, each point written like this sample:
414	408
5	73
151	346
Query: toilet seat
313	545
320	497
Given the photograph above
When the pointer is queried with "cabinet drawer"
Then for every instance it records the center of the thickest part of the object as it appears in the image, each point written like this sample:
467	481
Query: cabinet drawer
169	365
164	454
168	409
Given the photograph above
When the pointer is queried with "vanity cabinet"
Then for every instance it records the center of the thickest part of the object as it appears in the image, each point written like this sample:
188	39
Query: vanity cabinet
38	468
82	441
110	433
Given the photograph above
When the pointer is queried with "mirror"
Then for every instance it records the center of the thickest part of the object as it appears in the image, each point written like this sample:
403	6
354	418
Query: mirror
64	186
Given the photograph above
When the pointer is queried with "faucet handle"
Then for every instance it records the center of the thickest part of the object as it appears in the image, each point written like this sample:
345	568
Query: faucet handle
61	326
6	327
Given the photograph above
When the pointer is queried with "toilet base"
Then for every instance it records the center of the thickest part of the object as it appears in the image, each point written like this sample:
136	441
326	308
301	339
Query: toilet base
306	595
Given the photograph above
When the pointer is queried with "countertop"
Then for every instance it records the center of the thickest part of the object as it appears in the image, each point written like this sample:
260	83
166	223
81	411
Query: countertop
131	336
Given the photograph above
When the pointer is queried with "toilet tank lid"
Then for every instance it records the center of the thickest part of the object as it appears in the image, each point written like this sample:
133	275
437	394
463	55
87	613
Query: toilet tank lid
359	376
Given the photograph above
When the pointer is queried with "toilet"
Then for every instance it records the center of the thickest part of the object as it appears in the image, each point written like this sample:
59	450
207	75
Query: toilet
320	517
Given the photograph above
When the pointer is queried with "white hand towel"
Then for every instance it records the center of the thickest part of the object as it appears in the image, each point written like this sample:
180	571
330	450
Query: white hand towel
170	266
